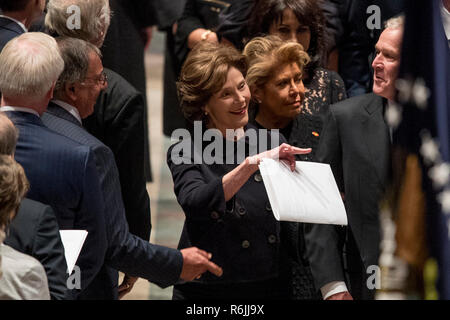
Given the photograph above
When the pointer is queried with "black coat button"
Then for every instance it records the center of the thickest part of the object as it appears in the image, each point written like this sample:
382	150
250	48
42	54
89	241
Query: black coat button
215	215
242	211
245	244
268	207
258	177
272	239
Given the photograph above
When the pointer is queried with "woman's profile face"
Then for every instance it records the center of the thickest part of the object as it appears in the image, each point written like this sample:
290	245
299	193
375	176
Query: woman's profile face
290	29
228	108
283	94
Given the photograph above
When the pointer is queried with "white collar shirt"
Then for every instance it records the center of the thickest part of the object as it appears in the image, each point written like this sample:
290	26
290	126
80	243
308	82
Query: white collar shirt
19	109
69	108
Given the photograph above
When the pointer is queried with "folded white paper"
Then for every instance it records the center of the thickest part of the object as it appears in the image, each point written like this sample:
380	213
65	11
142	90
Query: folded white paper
309	194
73	241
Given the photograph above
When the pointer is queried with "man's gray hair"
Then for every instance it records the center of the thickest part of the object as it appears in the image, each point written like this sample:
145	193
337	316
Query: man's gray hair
94	19
29	66
397	22
75	53
8	135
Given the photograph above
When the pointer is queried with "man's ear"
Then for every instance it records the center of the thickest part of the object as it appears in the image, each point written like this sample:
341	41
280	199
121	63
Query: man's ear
70	89
50	92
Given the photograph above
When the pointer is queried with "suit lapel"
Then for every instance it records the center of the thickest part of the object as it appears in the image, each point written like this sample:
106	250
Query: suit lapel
376	136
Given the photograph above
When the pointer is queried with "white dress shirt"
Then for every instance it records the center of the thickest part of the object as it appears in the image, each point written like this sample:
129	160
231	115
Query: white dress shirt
332	288
19	109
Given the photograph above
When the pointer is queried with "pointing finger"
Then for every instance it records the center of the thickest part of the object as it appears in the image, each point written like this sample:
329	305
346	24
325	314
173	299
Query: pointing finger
214	268
296	150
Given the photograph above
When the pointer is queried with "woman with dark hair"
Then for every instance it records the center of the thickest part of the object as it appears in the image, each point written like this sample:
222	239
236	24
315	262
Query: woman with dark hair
225	202
301	21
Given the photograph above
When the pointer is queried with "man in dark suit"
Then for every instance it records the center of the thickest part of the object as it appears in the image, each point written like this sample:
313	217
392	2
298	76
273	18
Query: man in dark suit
124	47
347	24
61	172
167	14
17	16
75	94
356	143
119	115
34	230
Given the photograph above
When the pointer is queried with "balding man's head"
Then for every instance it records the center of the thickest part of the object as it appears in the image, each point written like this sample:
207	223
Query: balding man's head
29	67
8	135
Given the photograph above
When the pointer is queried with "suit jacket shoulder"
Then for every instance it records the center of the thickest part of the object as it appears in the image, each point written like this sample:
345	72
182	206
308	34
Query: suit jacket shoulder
119	101
356	105
23	277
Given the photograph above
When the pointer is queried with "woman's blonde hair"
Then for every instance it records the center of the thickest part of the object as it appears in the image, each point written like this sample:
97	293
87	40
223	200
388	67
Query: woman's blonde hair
204	73
266	54
13	187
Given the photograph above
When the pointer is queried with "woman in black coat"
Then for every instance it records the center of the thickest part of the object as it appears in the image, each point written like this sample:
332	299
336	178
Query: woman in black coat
219	187
275	76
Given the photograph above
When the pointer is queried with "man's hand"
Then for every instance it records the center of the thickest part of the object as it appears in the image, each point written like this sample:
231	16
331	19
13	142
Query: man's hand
196	262
126	286
341	296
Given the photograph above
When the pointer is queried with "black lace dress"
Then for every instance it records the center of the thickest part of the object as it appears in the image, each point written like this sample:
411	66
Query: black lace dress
322	89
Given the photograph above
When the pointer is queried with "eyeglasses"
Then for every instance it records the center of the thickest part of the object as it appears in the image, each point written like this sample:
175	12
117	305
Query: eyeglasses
101	80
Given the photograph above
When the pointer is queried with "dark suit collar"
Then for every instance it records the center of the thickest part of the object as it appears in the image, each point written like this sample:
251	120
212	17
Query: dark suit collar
11	25
18	117
60	112
376	102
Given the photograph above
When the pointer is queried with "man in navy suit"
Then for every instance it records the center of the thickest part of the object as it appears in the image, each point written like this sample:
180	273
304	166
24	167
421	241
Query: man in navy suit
76	92
61	172
119	117
34	230
17	16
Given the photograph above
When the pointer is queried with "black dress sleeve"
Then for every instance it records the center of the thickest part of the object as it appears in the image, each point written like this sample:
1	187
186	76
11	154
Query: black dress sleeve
196	195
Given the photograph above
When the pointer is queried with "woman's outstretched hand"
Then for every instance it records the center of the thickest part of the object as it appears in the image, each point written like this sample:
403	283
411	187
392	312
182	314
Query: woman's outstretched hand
284	152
